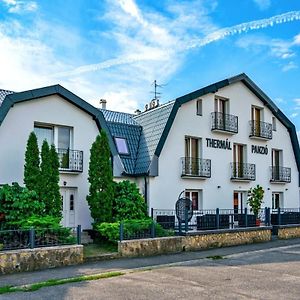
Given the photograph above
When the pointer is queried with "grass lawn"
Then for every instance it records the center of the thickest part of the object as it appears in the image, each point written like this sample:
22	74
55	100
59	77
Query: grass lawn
92	250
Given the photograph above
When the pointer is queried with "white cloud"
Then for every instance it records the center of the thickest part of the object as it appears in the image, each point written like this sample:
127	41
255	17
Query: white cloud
290	66
144	45
17	6
263	4
294	115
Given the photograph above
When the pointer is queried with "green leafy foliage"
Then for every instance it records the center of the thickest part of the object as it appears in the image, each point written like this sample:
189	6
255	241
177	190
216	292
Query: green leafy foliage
101	190
255	199
128	202
17	204
49	181
32	163
111	231
55	203
36	221
48	229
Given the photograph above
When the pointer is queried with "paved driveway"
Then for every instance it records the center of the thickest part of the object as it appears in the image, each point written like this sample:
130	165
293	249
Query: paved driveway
263	274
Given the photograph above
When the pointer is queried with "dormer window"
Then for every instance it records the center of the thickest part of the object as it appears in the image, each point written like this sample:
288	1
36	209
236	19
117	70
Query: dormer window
122	146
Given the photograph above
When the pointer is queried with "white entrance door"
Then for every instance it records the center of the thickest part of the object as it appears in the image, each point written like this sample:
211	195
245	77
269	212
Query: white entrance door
68	196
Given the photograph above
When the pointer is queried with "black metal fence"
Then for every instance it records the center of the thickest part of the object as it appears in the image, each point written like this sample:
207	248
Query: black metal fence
214	219
36	238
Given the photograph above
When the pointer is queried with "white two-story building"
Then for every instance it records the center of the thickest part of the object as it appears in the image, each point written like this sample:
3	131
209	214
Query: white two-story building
214	144
63	119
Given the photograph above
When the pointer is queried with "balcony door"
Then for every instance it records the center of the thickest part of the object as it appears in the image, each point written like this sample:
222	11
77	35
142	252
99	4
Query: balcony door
238	160
192	155
64	146
256	119
276	163
221	108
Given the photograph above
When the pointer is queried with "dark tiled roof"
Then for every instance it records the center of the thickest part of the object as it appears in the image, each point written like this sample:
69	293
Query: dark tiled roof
142	133
3	94
122	125
153	123
118	117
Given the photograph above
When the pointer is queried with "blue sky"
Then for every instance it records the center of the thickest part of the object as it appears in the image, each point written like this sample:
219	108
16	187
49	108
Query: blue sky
115	49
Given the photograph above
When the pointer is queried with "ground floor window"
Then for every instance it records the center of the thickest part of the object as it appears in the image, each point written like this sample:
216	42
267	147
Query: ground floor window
277	200
196	198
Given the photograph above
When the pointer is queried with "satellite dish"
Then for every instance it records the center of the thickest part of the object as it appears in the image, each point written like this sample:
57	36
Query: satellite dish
183	204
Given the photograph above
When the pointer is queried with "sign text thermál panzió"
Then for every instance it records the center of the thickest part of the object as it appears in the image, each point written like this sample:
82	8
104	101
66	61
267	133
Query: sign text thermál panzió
259	149
221	144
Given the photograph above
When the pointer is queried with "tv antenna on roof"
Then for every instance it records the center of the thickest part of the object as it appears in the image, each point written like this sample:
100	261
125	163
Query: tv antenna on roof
156	93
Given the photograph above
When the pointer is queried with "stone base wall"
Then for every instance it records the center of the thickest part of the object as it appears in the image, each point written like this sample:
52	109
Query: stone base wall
288	231
39	258
195	241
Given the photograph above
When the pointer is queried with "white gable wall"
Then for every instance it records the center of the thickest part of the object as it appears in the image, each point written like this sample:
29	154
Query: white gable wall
164	189
18	124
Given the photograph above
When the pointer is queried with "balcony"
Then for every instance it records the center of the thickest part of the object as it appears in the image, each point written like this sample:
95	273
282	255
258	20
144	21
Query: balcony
224	122
195	167
70	160
242	171
260	130
280	174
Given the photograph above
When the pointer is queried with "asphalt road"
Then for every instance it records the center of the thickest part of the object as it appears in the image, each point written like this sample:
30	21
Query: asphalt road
272	273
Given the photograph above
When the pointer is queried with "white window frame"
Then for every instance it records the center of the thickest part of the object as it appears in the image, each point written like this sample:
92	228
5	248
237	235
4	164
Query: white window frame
199	107
281	202
200	196
55	132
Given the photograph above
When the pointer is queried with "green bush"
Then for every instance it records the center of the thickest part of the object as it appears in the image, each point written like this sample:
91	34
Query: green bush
18	204
47	230
111	231
128	203
37	222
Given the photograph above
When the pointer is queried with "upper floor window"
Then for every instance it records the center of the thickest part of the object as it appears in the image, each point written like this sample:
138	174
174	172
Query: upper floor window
44	132
199	107
222	105
122	145
60	136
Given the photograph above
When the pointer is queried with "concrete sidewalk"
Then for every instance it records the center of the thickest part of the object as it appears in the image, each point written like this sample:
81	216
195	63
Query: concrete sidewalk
133	263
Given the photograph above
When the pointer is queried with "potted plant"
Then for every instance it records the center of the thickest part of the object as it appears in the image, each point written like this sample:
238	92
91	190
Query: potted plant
255	200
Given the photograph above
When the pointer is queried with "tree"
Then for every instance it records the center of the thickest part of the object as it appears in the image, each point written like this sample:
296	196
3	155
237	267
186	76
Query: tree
255	199
101	190
128	202
32	163
55	198
49	185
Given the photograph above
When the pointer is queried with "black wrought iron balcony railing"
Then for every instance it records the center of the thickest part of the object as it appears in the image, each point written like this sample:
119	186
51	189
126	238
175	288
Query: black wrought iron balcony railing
196	167
70	160
242	171
224	122
280	174
260	130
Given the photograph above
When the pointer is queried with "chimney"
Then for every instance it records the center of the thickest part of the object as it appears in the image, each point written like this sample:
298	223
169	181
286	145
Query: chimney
137	112
103	103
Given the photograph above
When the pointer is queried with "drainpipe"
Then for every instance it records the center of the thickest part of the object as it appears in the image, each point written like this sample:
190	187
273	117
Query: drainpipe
146	190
